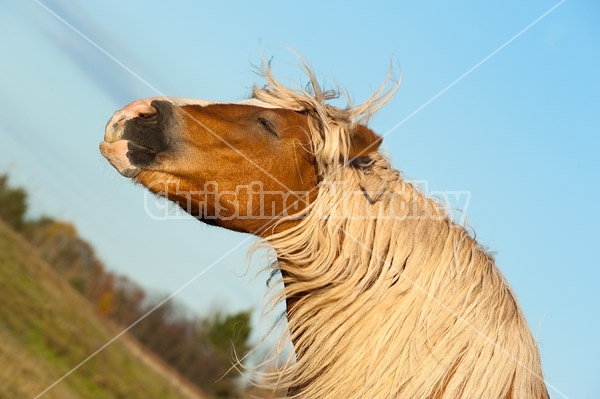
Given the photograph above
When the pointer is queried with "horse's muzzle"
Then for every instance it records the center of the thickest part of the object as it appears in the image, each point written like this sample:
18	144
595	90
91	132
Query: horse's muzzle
136	134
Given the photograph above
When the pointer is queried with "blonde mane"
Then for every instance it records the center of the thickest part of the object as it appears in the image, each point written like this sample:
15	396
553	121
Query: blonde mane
392	298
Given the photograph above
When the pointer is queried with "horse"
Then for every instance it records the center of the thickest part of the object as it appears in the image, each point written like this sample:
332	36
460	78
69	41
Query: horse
386	295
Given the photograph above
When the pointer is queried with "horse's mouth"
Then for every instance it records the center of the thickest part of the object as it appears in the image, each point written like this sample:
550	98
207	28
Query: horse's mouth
116	154
136	134
126	156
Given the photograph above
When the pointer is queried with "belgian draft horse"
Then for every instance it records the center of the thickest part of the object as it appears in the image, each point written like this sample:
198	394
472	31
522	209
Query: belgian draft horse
386	296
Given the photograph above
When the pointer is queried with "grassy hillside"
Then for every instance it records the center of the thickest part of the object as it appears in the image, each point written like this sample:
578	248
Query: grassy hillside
47	328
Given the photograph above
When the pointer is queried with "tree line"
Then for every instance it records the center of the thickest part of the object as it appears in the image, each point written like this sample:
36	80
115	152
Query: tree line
201	349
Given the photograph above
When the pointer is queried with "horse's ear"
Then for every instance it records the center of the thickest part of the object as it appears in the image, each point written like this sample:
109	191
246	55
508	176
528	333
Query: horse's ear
363	141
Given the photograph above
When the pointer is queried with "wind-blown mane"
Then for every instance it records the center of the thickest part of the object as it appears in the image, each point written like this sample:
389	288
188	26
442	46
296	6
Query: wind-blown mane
392	299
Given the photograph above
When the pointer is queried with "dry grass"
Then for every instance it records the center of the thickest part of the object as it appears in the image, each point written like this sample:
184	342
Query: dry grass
47	328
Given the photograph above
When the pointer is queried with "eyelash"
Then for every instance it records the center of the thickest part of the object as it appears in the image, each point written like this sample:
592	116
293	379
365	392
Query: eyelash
266	124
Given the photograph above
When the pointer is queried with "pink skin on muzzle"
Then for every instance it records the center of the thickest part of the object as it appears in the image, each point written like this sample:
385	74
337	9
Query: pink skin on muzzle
113	148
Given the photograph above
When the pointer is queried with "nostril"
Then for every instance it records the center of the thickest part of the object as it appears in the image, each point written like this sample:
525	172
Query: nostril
145	111
146	115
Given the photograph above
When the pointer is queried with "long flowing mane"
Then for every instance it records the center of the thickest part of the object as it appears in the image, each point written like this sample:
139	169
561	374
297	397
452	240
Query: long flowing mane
393	299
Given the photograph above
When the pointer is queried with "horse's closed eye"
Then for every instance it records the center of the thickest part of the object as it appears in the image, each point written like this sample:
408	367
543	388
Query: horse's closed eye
268	126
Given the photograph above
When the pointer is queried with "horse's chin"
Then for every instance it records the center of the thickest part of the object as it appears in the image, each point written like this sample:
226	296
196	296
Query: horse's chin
117	154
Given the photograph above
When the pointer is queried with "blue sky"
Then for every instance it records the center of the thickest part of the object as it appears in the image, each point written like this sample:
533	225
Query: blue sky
520	132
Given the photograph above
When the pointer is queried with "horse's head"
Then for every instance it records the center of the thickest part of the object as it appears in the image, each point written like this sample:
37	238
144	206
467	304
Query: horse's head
241	166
